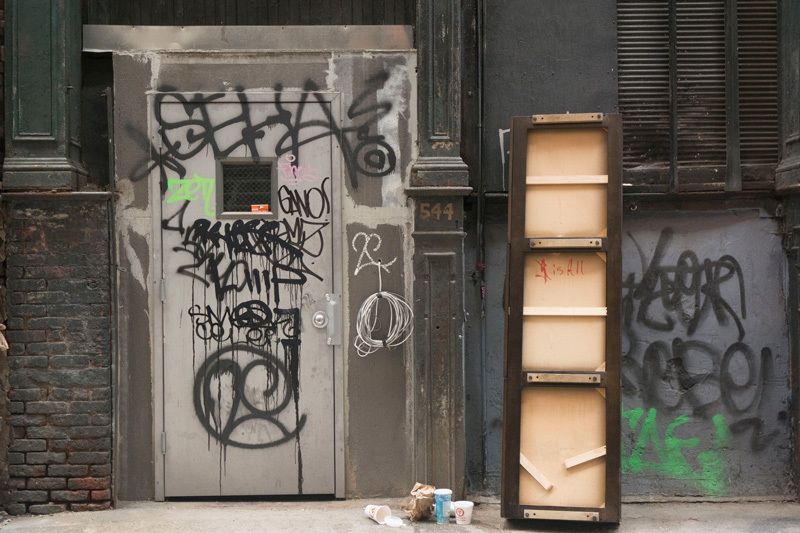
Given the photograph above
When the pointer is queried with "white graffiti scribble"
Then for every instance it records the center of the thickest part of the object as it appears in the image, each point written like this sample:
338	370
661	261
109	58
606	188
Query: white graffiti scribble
365	259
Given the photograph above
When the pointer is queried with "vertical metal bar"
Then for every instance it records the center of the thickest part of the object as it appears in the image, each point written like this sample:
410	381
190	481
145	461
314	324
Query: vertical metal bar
114	287
210	16
733	161
368	12
179	13
481	13
388	12
673	96
613	320
230	12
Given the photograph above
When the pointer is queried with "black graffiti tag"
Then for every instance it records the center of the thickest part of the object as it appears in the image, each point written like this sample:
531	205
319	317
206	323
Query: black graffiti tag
687	290
243	412
252	318
222	256
693	375
180	139
312	203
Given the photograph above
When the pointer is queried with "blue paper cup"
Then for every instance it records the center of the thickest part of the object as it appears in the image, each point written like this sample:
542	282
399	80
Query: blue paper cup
443	497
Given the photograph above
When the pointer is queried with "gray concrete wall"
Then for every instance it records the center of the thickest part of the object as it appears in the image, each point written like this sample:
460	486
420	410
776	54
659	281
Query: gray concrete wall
378	95
134	438
706	392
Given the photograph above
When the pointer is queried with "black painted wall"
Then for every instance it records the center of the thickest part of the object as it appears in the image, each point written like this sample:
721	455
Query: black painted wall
248	12
544	56
788	177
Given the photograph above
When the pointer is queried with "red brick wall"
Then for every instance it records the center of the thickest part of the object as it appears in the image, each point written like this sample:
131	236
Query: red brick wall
59	455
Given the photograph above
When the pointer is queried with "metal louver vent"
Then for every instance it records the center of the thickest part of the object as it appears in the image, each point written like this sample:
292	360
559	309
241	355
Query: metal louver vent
683	104
758	81
700	58
644	90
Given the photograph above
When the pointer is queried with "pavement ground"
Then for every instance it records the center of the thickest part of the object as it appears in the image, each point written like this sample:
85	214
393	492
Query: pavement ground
348	515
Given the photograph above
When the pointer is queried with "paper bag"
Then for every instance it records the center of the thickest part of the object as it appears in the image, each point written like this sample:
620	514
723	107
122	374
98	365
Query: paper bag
422	501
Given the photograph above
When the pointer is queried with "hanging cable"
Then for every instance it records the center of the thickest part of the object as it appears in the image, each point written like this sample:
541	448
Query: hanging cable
401	321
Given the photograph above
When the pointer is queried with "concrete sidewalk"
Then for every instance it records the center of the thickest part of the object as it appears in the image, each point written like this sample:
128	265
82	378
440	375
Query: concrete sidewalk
335	516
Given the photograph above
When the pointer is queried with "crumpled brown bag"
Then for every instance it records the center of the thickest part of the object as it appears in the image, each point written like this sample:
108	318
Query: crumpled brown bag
422	500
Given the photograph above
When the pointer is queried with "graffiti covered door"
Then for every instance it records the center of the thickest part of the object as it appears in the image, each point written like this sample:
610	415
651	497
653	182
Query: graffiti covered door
247	190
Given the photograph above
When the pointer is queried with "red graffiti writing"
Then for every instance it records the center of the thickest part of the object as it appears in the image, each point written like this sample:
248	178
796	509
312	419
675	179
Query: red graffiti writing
573	267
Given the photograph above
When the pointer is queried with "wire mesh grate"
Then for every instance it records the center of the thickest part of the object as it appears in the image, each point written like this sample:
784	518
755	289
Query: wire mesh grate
246	185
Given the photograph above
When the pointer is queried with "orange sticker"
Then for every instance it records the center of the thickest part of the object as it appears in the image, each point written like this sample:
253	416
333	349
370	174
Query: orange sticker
259	208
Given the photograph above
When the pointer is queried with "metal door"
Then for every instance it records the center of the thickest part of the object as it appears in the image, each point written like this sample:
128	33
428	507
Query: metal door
248	294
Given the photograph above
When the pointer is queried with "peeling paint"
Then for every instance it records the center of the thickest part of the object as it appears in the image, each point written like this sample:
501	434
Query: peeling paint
443	144
133	221
331	78
389	126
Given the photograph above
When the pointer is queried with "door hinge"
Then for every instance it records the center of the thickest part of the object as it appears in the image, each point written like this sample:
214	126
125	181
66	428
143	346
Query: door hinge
163	443
163	290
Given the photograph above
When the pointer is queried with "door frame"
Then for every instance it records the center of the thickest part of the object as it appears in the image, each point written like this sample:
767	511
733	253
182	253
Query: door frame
334	99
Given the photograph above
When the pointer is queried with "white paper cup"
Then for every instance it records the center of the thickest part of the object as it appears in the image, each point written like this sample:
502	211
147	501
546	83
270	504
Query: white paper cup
463	512
379	513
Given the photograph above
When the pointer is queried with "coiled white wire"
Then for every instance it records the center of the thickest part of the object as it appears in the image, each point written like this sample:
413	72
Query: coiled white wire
401	321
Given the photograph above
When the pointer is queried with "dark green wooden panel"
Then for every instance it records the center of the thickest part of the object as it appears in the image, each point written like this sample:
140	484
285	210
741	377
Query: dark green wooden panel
35	111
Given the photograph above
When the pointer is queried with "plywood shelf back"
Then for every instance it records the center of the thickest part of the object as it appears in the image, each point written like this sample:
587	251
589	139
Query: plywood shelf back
564	311
574	179
585	457
535	472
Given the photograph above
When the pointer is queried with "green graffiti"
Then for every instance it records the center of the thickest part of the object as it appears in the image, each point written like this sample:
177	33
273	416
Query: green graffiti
708	477
723	435
192	189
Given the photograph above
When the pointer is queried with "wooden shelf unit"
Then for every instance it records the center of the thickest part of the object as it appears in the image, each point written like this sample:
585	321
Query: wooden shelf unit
561	428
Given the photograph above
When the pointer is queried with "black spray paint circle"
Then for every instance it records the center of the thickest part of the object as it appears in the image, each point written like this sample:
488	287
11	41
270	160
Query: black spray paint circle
218	365
377	161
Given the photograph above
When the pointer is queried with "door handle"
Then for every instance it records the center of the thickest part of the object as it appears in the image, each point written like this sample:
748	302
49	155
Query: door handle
320	319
